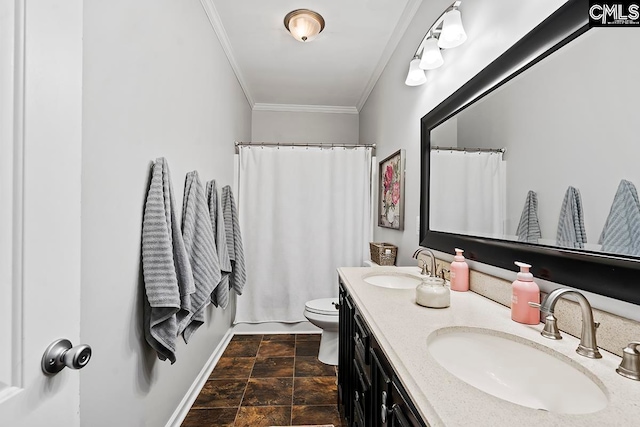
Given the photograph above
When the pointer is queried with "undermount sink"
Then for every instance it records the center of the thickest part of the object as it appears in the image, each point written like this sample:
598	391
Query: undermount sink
393	280
517	370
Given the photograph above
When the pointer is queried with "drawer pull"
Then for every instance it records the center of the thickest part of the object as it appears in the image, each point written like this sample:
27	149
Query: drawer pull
383	408
398	415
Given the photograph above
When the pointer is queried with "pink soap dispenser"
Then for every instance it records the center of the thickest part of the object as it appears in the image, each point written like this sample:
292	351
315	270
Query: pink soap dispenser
459	273
525	291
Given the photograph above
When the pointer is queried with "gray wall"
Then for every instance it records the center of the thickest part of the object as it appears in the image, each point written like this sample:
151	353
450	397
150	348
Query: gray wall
305	127
156	83
391	115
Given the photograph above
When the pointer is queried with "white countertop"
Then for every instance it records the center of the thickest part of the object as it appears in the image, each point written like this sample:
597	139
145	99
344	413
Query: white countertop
402	327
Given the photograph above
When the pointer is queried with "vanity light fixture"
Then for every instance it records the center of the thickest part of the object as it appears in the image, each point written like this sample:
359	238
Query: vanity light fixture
304	24
431	55
453	34
446	33
416	76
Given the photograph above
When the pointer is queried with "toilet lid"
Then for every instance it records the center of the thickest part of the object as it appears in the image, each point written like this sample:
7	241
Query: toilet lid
323	306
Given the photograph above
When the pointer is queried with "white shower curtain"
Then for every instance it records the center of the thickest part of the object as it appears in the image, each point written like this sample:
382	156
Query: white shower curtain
303	213
467	193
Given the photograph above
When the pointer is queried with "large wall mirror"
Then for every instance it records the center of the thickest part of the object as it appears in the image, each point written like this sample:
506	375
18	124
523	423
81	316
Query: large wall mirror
536	158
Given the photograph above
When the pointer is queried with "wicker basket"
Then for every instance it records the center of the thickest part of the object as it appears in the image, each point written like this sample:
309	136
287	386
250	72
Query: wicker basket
379	253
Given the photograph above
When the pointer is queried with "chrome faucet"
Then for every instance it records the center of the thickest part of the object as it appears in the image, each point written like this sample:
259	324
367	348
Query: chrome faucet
588	346
424	271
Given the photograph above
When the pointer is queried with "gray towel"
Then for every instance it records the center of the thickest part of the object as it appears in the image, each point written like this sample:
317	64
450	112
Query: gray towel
528	227
621	233
220	296
234	241
165	265
201	247
571	233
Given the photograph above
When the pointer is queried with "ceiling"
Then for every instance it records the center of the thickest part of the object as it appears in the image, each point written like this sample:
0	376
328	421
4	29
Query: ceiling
336	71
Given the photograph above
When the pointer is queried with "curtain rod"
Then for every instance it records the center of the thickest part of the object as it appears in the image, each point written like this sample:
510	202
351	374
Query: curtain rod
302	144
483	150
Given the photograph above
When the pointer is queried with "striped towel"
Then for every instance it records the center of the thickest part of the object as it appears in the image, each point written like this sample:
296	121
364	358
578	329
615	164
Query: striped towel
220	296
571	233
621	233
529	228
234	241
201	247
165	265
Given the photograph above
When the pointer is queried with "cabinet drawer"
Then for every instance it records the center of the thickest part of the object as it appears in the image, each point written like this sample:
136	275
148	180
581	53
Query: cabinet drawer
403	413
380	390
361	338
358	418
362	390
399	419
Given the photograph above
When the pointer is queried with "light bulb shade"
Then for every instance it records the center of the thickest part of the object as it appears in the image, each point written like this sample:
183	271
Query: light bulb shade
431	55
453	33
416	75
303	24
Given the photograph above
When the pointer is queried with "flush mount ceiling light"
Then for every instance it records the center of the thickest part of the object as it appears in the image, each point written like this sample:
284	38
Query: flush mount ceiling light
304	24
446	33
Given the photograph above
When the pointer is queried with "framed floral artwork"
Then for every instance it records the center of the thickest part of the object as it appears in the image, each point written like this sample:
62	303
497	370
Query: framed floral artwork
391	191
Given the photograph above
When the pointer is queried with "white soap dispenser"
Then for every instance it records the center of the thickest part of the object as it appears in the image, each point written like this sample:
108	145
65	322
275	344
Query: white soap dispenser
433	293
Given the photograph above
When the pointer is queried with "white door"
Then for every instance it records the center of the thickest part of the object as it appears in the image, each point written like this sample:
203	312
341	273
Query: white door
40	159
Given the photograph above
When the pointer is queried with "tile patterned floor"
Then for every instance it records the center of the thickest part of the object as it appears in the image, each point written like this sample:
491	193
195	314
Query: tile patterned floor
267	380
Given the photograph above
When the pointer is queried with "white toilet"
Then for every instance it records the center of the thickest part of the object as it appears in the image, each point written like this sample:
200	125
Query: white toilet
323	313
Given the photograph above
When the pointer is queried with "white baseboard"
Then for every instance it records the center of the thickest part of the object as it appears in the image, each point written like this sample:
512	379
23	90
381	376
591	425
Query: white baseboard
183	408
275	328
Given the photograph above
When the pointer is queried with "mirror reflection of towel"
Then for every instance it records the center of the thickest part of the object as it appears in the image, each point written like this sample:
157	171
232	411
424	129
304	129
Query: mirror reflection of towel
621	232
529	227
571	233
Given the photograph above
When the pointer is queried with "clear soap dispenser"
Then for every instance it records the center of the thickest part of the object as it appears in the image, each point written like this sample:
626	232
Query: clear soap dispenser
433	293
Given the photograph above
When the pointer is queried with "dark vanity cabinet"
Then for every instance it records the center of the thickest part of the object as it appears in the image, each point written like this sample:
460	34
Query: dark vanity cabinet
345	355
369	392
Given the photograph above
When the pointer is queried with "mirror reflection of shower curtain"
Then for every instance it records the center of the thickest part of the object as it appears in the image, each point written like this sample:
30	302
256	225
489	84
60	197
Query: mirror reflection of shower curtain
467	193
304	212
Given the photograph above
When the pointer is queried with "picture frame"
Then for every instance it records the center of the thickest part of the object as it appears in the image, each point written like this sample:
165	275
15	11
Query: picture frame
391	173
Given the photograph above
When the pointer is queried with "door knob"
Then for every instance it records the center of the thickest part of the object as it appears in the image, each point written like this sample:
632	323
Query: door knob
61	353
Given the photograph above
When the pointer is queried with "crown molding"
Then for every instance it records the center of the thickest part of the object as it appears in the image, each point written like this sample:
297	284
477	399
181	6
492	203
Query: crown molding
294	108
403	23
216	23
